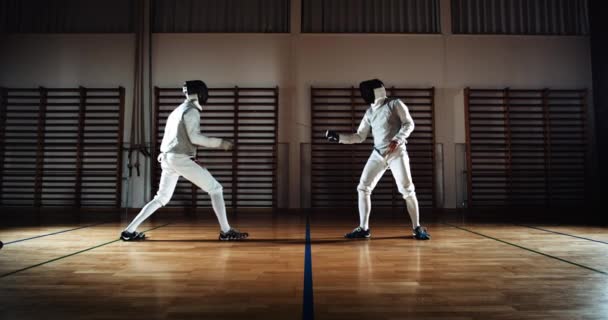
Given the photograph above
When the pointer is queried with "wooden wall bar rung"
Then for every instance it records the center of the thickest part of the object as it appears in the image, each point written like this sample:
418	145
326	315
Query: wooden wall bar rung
335	169
57	135
3	132
526	147
248	117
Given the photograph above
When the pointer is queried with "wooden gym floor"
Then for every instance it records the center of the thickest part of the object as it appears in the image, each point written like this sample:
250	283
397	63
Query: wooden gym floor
297	268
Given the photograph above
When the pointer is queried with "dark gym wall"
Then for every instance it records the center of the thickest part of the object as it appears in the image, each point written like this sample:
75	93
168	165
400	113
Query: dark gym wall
599	56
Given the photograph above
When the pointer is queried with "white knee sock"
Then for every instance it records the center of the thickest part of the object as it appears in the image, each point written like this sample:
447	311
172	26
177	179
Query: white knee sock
145	212
217	201
412	208
365	207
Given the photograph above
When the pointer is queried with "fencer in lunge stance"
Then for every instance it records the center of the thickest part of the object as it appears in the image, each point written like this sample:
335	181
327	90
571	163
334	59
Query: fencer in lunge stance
180	140
390	123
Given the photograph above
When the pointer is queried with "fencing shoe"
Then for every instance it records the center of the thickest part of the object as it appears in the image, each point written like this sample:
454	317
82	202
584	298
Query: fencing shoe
132	236
420	233
233	234
358	233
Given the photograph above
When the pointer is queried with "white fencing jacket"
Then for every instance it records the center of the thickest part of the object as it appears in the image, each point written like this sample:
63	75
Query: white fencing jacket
183	132
388	119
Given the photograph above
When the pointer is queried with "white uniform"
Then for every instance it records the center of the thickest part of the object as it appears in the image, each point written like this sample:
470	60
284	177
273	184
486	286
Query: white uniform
388	120
182	134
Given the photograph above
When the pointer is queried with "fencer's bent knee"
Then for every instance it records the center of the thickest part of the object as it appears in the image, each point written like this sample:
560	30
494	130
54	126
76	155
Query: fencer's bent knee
407	191
216	189
162	200
367	190
409	194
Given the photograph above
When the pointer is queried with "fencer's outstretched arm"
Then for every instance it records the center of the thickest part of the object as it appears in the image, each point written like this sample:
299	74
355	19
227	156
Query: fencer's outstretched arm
360	135
407	123
193	126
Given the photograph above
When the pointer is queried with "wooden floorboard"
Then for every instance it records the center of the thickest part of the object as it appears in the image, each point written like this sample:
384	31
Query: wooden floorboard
579	251
596	234
496	271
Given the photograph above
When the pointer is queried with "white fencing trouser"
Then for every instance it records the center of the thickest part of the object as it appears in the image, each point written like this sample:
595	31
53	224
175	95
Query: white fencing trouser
174	166
399	163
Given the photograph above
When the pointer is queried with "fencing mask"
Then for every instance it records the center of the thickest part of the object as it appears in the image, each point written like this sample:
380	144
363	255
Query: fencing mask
372	90
198	88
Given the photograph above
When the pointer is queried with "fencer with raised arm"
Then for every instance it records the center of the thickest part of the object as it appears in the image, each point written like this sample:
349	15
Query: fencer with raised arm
390	123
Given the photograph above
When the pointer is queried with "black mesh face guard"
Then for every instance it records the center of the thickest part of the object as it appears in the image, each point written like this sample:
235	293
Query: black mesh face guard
367	89
197	87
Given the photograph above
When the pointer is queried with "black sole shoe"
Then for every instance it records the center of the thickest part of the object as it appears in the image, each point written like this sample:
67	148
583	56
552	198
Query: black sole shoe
233	235
132	236
359	233
420	233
